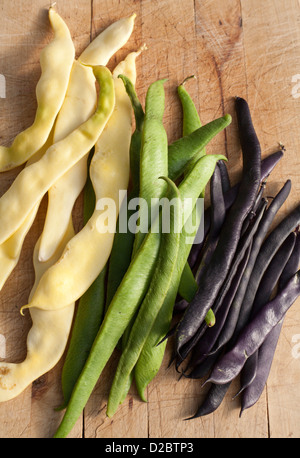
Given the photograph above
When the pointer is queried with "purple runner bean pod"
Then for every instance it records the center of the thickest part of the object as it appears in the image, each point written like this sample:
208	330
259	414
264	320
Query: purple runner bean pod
207	341
266	351
263	295
235	316
224	176
240	252
255	332
230	233
267	165
218	214
212	400
264	257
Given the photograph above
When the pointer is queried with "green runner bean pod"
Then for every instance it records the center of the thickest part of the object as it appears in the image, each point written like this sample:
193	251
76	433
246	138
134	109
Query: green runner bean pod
151	356
123	241
184	149
191	122
153	158
153	164
190	119
125	302
178	157
158	289
130	292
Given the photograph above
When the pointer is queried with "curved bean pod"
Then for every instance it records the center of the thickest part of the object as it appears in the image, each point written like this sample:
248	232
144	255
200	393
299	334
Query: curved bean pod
264	257
255	332
92	244
266	351
212	401
56	61
190	119
210	336
153	163
224	177
151	356
121	252
153	158
152	303
153	350
116	35
267	165
218	213
46	339
235	313
79	104
190	122
33	181
229	236
263	295
231	285
88	316
183	150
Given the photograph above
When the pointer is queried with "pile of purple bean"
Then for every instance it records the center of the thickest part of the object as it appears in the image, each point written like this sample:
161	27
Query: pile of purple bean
247	274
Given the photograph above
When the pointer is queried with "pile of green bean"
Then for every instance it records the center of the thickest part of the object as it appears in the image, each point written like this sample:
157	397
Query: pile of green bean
130	305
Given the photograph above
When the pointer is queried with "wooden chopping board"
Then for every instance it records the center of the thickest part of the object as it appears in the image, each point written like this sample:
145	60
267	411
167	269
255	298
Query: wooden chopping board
247	48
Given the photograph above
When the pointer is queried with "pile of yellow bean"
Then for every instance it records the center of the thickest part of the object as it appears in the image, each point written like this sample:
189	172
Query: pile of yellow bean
72	118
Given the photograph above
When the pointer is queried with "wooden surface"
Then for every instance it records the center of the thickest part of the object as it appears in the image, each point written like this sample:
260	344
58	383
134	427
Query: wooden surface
248	48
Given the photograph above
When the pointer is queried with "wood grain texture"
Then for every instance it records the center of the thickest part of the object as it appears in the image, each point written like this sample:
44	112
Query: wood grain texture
239	47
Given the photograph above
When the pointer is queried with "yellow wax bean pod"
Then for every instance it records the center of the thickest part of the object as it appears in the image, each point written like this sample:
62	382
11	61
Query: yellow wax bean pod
10	250
79	104
87	252
108	42
56	61
46	340
80	101
35	180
